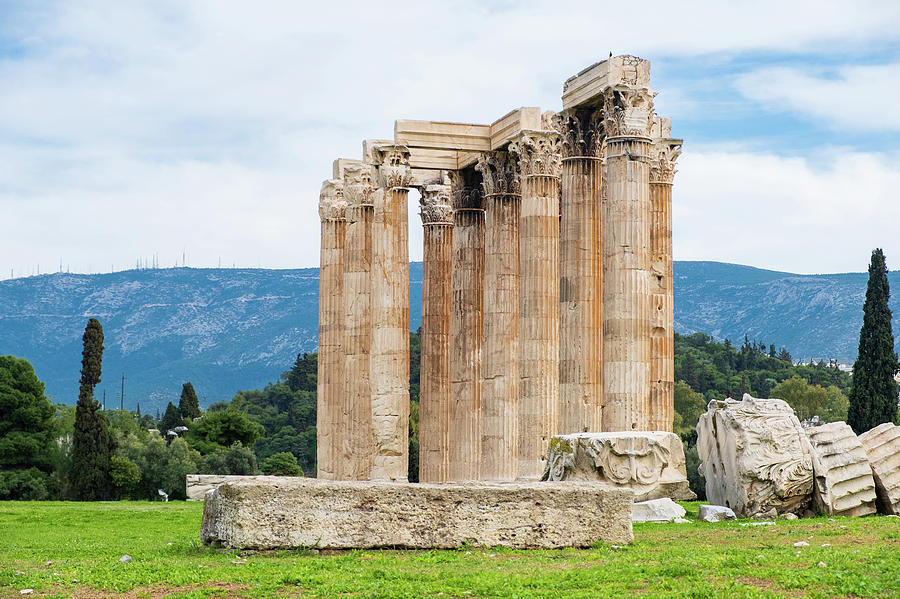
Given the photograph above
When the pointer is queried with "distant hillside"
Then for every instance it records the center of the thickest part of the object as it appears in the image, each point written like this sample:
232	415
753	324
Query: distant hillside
227	329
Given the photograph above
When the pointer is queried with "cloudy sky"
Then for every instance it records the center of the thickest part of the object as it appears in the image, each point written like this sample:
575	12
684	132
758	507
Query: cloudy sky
204	129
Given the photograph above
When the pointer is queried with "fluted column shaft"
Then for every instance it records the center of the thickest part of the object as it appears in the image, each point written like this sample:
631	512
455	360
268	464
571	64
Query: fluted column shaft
466	327
390	315
538	159
500	366
434	373
662	342
626	285
329	428
356	443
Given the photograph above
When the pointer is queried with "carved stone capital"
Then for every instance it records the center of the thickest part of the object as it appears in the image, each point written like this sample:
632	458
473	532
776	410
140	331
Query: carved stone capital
435	206
465	190
628	112
580	132
331	200
358	190
663	154
499	174
391	166
538	153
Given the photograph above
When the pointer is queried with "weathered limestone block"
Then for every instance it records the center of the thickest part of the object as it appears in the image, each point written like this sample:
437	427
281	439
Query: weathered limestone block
843	477
656	510
715	513
199	484
304	512
650	463
755	456
882	445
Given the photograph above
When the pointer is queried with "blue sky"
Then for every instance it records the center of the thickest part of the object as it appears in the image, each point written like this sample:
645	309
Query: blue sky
205	128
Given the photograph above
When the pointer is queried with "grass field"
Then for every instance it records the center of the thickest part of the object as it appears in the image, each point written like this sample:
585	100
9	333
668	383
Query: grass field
73	550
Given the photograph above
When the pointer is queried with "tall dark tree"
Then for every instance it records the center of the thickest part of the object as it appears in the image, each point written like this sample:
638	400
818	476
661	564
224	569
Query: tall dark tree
170	419
93	444
873	397
189	406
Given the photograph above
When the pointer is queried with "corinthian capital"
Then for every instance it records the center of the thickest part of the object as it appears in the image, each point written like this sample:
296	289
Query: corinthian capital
580	132
465	190
435	205
498	173
538	153
663	154
628	112
391	166
358	190
331	200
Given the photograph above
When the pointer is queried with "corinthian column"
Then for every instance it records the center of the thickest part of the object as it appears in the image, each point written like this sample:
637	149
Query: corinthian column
626	259
434	389
356	441
664	152
500	363
580	293
466	326
331	334
390	314
538	155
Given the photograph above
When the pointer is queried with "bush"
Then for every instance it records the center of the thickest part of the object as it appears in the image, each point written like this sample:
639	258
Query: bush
282	464
692	464
28	485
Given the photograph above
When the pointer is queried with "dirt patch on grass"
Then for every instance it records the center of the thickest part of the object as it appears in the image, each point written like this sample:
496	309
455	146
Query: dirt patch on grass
225	590
764	584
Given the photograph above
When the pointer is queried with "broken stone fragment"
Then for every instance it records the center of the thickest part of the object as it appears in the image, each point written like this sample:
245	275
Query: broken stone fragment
755	456
650	463
715	513
882	446
657	510
843	478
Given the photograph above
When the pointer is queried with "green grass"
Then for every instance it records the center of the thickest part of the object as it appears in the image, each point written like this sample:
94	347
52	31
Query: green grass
84	542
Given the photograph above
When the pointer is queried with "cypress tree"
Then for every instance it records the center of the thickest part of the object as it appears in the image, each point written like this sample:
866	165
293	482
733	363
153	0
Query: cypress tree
170	419
92	443
873	395
189	406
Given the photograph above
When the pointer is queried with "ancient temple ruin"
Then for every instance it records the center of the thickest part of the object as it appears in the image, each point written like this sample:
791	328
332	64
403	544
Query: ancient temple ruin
547	285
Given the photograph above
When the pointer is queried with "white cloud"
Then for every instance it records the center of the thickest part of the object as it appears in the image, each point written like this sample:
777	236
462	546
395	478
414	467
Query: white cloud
210	125
857	98
823	213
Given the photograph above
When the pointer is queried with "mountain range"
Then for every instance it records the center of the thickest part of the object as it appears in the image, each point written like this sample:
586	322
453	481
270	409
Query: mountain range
231	329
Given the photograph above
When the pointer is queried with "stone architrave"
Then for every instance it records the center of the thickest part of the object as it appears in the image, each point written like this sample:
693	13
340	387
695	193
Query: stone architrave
664	153
882	445
650	463
329	429
466	325
434	386
626	259
389	372
500	347
843	478
538	156
356	406
755	456
580	271
305	512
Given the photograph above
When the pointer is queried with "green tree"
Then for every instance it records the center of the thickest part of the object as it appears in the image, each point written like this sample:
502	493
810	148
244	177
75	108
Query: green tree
282	464
93	444
170	419
303	374
807	400
689	406
240	460
873	397
189	406
27	440
217	430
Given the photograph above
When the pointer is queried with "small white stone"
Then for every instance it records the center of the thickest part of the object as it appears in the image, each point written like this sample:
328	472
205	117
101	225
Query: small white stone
26	591
821	564
18	573
125	559
681	520
789	516
801	544
826	544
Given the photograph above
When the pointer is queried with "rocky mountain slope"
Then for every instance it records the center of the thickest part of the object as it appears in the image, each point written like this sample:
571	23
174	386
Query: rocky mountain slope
230	329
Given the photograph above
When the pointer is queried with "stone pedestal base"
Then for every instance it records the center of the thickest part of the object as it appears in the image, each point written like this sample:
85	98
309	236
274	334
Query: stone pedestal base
304	512
650	463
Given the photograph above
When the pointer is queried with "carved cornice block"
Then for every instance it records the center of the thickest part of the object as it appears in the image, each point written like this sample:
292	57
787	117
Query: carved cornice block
587	87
